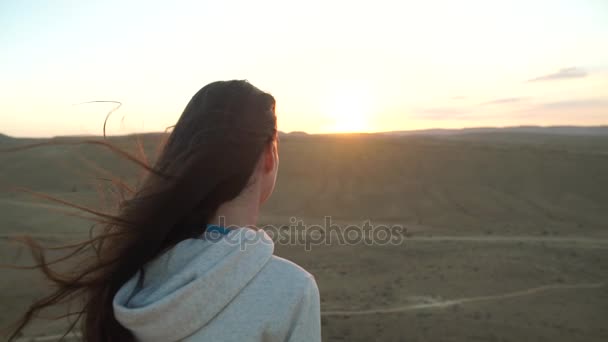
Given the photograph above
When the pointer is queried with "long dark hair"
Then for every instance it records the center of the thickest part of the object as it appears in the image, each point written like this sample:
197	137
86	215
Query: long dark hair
207	160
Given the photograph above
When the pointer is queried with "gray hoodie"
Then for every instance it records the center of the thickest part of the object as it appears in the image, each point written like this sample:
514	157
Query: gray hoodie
221	288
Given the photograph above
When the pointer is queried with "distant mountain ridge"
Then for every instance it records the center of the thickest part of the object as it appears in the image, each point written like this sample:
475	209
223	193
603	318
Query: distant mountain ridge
555	130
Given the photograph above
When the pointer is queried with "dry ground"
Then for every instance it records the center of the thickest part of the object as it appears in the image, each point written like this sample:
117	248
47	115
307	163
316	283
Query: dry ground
506	239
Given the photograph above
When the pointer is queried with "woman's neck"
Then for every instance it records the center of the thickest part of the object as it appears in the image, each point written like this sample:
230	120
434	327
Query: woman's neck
242	211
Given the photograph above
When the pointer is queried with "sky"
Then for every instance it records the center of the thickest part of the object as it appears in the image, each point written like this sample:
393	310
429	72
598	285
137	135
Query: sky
333	66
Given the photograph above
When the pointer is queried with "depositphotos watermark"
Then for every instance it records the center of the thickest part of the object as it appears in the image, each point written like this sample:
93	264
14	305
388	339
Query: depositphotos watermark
297	233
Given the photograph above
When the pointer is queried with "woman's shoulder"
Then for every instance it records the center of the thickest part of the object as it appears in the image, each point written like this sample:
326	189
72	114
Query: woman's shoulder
288	268
287	275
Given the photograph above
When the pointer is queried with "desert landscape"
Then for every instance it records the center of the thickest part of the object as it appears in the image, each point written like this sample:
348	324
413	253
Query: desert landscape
505	235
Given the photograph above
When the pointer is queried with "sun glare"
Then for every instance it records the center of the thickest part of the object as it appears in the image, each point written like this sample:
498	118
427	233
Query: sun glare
347	107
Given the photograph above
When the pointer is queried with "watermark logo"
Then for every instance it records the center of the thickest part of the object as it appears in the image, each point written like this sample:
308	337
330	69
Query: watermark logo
298	233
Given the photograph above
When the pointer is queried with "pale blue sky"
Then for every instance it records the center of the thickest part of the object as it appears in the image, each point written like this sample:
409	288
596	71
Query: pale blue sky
332	65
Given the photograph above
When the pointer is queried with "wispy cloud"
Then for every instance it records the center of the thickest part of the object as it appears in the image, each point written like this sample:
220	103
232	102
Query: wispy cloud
587	111
441	113
594	103
524	110
506	100
459	97
566	73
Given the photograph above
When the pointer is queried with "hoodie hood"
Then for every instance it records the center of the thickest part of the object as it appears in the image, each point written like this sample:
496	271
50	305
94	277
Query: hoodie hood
182	290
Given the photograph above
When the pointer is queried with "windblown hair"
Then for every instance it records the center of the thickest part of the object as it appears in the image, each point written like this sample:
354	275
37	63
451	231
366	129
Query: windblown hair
207	160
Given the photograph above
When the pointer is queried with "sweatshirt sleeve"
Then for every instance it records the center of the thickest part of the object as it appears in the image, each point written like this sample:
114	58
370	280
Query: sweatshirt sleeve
306	325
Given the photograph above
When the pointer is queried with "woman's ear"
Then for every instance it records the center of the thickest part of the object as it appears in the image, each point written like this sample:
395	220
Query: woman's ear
270	168
271	157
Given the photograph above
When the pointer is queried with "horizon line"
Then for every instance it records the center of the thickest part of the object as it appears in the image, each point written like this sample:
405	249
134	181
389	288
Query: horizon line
296	132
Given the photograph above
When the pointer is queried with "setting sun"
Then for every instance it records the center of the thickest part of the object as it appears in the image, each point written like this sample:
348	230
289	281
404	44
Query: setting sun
348	108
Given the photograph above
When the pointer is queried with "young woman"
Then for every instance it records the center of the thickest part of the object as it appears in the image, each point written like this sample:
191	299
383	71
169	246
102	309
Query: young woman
183	260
